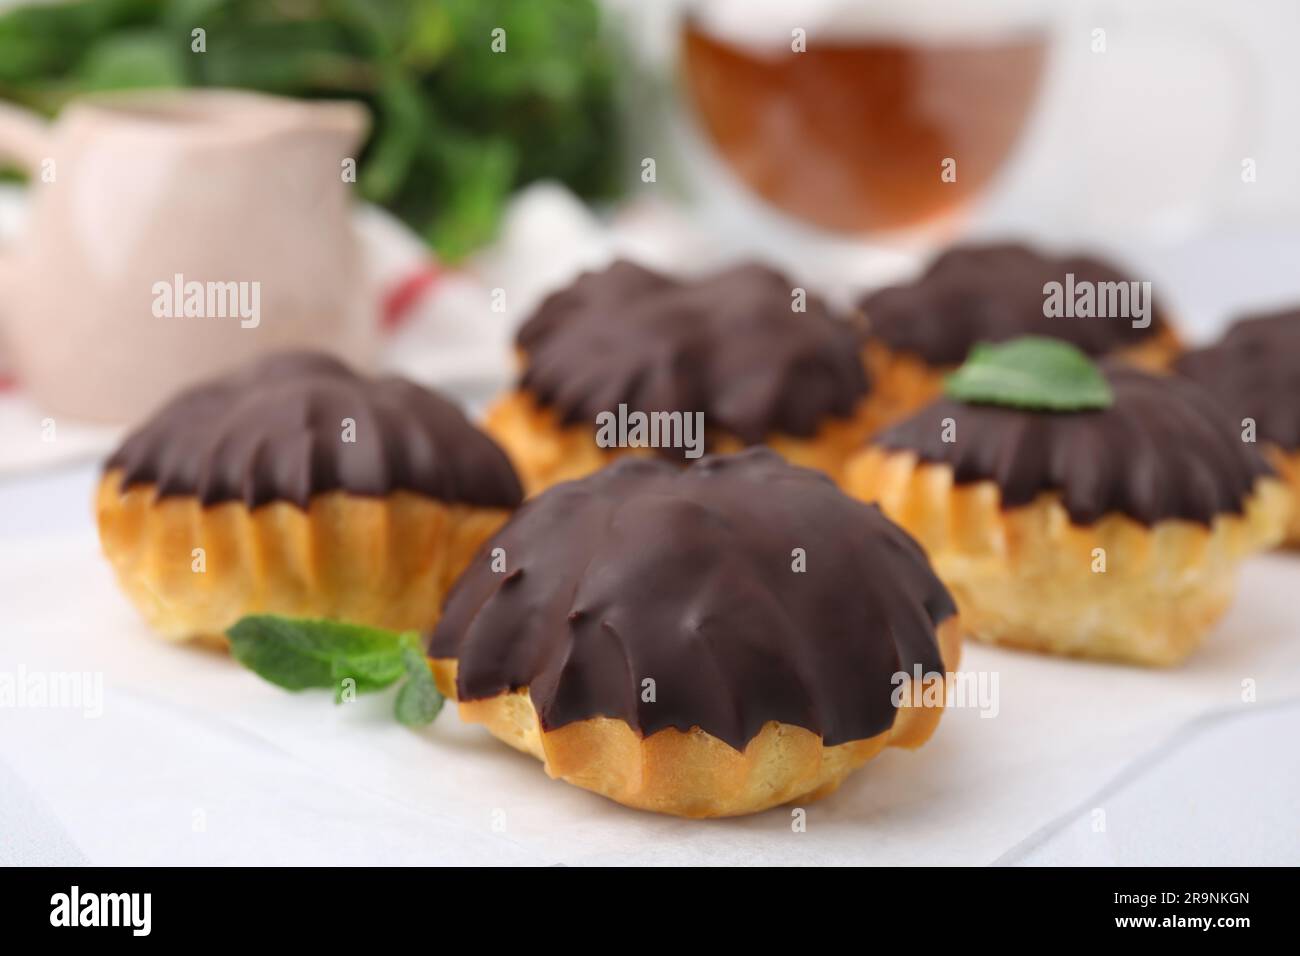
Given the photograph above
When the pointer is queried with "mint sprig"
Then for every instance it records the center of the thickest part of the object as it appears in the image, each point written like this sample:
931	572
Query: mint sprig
297	654
418	700
1032	372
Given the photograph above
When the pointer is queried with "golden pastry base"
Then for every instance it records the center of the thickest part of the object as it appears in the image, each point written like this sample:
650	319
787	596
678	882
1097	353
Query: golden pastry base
694	774
1027	577
546	452
384	562
1288	468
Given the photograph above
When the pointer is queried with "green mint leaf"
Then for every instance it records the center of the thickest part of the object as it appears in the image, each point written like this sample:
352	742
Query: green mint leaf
418	700
1033	372
296	654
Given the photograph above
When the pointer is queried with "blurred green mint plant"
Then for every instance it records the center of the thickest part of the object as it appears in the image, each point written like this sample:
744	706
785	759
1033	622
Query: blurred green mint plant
457	127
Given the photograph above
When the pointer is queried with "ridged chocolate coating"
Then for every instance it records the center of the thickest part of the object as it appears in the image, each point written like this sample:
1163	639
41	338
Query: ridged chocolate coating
644	570
729	346
1163	450
991	293
273	432
1254	372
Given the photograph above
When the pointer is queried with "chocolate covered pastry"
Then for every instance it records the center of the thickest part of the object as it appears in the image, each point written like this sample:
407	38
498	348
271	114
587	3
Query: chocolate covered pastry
298	487
1254	373
920	331
706	641
739	353
1110	532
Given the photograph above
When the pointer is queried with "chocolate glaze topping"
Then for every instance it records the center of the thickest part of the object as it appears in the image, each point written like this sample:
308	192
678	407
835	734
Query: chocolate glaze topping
729	346
273	431
1163	450
1254	372
991	293
643	570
